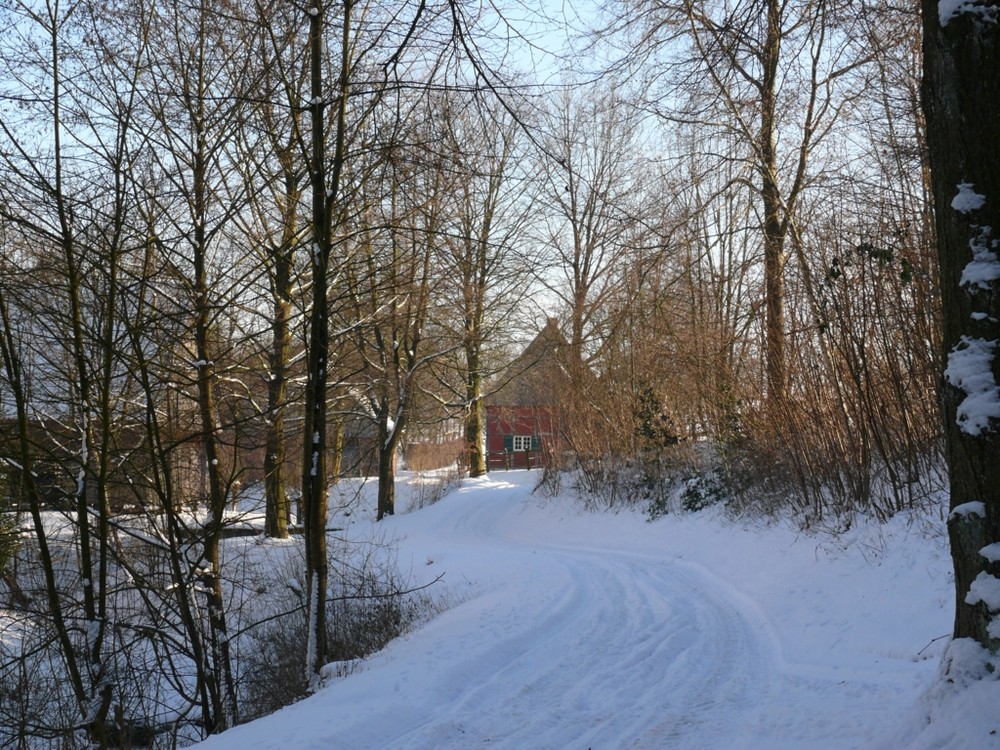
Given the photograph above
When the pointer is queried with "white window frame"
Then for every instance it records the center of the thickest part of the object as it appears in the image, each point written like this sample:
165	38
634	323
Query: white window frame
522	443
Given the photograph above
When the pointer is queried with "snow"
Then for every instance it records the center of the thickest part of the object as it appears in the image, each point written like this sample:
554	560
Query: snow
569	629
967	199
991	552
959	710
975	508
948	9
970	368
984	268
985	589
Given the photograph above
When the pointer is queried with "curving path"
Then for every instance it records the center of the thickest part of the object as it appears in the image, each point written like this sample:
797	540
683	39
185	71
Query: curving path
553	642
601	649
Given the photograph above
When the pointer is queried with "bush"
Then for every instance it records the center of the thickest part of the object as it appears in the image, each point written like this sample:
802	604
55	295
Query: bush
609	481
428	456
703	490
368	607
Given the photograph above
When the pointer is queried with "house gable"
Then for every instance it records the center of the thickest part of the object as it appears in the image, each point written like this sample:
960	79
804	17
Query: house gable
522	414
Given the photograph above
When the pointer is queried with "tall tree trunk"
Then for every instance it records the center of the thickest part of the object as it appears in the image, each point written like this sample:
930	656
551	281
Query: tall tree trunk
475	428
324	198
314	483
961	99
91	484
225	697
774	226
276	506
161	466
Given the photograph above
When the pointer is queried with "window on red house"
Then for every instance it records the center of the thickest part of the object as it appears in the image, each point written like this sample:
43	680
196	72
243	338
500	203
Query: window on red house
525	443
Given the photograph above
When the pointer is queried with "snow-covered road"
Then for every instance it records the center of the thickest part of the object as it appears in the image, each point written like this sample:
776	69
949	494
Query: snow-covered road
571	630
582	647
578	648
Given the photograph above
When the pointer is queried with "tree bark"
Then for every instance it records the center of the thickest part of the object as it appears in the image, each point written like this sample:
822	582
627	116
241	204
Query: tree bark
276	506
475	427
386	482
961	100
388	440
314	485
774	224
315	501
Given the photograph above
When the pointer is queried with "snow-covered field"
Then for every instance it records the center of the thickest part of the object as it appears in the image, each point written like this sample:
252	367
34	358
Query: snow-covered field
569	629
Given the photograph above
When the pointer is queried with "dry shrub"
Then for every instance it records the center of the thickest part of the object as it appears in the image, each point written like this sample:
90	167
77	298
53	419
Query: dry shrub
429	456
817	464
431	486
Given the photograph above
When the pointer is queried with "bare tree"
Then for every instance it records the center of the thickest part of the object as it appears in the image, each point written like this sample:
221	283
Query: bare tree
775	74
325	172
393	280
65	210
590	190
272	142
189	202
485	270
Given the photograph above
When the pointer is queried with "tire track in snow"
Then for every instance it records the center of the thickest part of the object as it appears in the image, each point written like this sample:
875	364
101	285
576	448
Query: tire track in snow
604	650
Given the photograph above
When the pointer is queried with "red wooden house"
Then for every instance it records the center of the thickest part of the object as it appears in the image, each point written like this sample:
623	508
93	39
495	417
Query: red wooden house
523	426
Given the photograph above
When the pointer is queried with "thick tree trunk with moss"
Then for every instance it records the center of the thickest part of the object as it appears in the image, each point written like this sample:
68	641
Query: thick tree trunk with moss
388	442
475	419
277	511
961	99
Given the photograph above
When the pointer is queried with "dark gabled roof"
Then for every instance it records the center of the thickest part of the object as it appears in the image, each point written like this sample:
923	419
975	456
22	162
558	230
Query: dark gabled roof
540	375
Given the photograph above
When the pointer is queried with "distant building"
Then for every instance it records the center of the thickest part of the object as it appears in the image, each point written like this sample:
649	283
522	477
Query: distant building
523	424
